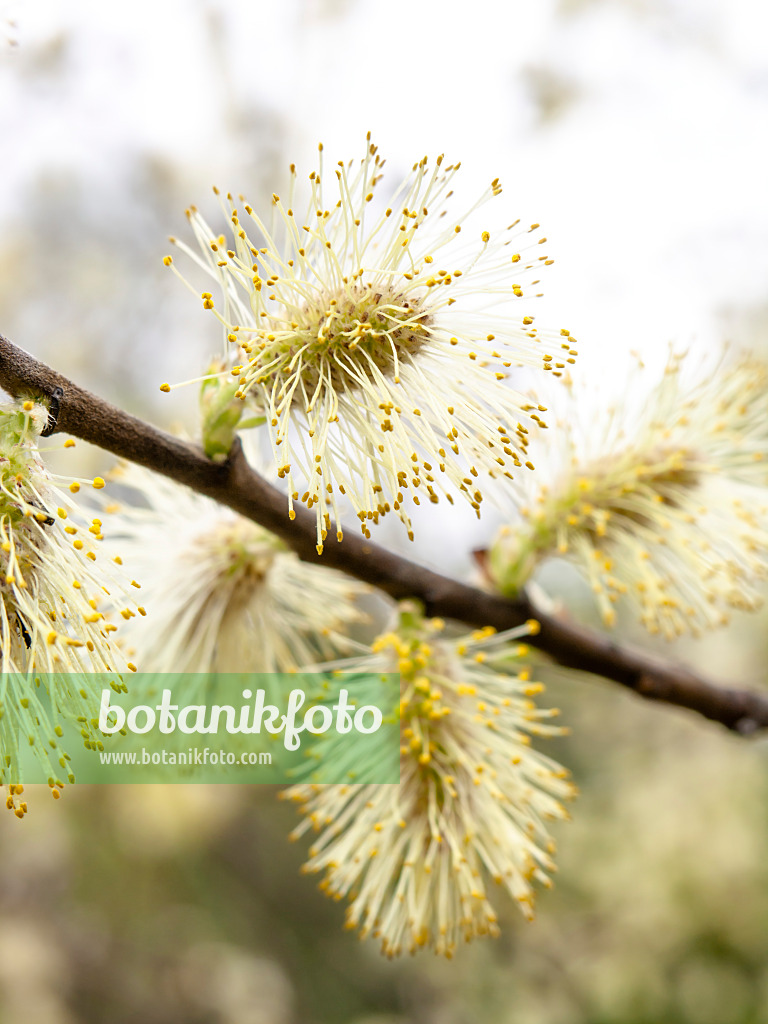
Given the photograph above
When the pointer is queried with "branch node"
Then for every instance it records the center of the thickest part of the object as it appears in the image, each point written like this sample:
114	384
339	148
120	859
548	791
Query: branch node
746	726
54	406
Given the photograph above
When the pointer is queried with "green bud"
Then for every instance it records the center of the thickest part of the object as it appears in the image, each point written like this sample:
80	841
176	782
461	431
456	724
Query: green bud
511	560
220	413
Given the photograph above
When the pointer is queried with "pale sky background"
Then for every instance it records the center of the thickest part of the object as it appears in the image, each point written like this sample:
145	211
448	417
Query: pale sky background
634	131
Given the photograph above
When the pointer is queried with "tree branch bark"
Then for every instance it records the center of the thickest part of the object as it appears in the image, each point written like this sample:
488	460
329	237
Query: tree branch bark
236	485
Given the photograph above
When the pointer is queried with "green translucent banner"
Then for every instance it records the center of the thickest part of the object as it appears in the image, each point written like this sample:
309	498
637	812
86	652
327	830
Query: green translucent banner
240	728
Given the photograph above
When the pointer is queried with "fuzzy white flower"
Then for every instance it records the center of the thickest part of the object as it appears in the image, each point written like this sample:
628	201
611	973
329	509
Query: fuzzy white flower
56	588
473	800
225	595
661	498
378	341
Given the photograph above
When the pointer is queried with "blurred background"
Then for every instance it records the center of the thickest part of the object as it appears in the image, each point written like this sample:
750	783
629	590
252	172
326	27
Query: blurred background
635	131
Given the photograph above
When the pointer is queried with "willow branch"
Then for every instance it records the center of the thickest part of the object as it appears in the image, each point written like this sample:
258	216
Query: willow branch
236	485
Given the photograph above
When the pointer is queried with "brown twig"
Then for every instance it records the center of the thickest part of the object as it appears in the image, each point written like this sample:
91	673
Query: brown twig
235	484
